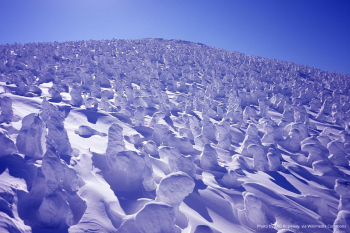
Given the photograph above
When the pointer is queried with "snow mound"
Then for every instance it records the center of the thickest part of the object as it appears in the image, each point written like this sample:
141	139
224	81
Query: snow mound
152	218
177	161
7	147
86	131
6	109
174	188
129	170
31	138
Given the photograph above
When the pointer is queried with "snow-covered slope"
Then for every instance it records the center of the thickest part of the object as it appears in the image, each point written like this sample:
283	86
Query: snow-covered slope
156	135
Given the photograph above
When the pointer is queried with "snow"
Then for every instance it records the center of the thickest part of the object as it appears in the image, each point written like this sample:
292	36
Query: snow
151	139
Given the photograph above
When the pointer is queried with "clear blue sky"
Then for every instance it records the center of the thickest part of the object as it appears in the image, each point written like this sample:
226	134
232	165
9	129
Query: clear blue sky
310	32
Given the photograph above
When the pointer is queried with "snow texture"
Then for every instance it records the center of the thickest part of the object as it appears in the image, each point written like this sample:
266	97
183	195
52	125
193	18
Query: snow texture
169	136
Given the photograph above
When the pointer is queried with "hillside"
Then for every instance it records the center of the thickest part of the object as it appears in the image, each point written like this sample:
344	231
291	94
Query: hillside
155	135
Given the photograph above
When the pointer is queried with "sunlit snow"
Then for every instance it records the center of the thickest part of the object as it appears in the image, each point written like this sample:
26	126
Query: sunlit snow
156	135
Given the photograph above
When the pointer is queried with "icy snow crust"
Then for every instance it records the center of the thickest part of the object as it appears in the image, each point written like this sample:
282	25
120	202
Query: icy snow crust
166	136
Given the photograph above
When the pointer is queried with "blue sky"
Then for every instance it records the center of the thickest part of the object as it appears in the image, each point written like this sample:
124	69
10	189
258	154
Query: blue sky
310	32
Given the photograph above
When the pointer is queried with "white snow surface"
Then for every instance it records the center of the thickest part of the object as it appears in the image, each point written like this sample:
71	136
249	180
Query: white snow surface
156	135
